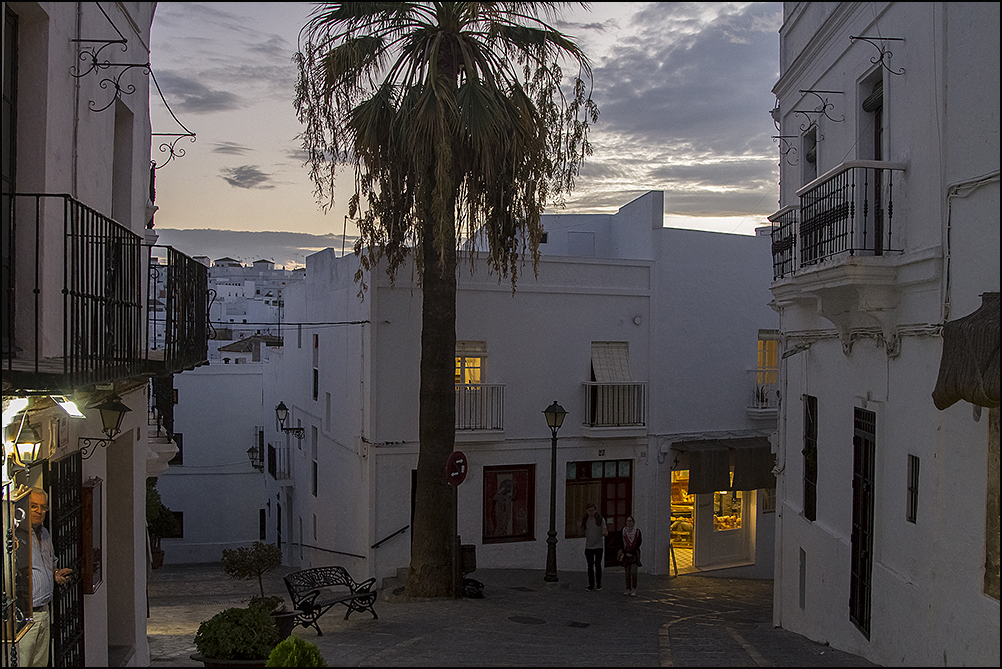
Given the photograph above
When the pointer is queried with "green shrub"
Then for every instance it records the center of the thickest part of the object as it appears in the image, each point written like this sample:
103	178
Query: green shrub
295	652
237	634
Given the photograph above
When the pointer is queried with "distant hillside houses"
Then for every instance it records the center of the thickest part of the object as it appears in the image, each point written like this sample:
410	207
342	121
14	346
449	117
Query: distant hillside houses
244	301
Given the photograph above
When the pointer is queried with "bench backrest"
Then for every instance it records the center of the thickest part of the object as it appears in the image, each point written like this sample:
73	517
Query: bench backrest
319	577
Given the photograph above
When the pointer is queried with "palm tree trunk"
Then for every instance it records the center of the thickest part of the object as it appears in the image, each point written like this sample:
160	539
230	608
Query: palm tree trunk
434	534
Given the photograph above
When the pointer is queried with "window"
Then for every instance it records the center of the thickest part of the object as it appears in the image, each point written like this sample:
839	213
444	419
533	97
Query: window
864	448
768	357
768	497
605	483
470	358
178	459
313	436
316	367
314	527
179	516
509	508
615	401
262	525
727	507
810	452
911	510
809	144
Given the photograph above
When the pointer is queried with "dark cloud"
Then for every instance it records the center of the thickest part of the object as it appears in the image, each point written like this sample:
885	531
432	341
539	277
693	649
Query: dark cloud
185	94
231	148
246	176
283	248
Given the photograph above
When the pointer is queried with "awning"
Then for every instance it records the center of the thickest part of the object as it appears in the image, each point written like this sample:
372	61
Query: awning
969	367
610	361
710	462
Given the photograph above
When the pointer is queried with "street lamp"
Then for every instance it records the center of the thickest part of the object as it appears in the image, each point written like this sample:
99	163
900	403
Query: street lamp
282	412
554	418
112	413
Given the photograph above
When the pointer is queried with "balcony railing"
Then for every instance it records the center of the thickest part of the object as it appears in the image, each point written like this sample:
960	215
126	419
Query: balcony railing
615	404
479	406
178	321
763	401
848	210
279	462
784	241
72	295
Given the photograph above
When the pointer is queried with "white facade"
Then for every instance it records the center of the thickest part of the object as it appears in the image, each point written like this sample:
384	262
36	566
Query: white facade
683	307
76	205
896	573
216	420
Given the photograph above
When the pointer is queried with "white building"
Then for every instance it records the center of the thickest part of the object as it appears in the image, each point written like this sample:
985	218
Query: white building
647	336
76	246
888	235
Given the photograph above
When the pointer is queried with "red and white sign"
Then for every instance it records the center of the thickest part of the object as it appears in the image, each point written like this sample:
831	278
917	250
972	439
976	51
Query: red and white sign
455	468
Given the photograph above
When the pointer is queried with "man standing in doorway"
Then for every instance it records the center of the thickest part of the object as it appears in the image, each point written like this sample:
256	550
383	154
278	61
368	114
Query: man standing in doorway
33	648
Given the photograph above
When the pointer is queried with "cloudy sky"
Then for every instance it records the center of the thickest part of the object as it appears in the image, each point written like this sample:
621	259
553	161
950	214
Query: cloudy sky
683	89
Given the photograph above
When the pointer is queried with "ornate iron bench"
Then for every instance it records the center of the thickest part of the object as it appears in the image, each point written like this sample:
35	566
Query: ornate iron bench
315	591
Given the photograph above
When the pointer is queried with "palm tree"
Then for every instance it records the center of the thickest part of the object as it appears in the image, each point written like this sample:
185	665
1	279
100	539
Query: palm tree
454	120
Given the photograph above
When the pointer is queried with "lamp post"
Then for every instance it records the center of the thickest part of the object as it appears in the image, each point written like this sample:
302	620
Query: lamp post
554	418
282	412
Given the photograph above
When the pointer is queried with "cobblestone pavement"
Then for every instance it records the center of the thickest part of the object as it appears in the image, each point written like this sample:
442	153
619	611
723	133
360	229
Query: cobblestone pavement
691	620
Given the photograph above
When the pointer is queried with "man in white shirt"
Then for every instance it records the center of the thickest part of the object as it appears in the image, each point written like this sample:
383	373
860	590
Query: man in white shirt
33	648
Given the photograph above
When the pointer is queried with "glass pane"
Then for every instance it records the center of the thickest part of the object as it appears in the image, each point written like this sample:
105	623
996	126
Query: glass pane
610	470
596	470
624	468
572	471
727	510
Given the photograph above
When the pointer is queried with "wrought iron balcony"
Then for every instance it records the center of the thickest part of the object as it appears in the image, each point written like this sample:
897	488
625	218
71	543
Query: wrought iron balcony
161	404
615	404
72	295
848	211
73	312
479	406
279	462
177	324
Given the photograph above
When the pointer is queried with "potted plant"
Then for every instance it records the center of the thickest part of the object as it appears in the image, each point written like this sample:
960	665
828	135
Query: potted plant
295	652
160	522
236	637
253	562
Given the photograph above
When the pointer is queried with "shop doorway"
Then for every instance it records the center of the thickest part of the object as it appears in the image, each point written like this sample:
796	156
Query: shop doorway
683	523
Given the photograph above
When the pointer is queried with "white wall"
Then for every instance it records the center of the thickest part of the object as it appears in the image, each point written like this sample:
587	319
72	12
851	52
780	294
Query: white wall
216	488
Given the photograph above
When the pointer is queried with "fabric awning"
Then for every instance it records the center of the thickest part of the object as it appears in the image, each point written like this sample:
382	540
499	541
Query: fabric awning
969	367
710	462
610	361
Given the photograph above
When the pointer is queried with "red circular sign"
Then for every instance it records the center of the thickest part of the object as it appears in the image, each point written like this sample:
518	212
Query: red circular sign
455	468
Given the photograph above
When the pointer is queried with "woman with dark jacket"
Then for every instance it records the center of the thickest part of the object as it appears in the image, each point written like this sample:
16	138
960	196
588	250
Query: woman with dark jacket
632	538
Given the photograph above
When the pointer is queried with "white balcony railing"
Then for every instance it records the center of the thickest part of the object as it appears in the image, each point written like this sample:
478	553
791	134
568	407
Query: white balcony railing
615	404
763	401
479	406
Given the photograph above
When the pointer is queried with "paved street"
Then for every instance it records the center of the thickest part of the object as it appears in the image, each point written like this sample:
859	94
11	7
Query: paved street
689	621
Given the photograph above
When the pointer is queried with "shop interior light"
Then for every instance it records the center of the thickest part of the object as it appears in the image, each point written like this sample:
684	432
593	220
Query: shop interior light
68	405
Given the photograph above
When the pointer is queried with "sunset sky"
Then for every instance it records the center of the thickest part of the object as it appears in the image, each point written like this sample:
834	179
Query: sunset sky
683	89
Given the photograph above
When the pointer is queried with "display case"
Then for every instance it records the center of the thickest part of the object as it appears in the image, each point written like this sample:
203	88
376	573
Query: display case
17	597
682	521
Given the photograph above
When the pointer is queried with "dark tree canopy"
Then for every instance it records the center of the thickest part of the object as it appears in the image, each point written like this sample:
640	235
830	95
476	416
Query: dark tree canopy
451	114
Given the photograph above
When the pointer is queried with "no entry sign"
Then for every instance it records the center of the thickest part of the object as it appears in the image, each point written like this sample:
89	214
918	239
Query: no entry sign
455	468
